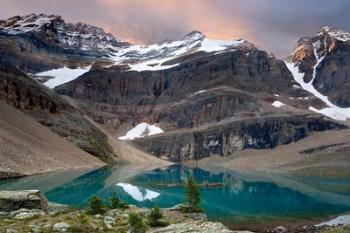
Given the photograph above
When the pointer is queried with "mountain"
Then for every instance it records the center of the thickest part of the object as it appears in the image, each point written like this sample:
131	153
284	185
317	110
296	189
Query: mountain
41	42
203	97
210	97
324	62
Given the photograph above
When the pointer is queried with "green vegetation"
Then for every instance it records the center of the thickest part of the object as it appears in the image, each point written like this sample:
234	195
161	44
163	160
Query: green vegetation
341	229
137	223
155	218
192	197
116	203
95	205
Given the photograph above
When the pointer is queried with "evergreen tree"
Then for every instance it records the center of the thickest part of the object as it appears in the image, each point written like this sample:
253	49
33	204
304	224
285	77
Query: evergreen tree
116	203
95	205
192	197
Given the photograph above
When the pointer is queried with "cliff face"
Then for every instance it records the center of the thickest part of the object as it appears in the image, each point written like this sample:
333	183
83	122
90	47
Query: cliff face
226	138
49	109
206	107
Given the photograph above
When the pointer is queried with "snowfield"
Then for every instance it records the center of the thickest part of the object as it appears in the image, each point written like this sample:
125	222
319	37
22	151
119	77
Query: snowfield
62	75
152	57
141	130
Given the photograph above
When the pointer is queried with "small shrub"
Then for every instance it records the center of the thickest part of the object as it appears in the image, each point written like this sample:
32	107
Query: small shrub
340	229
155	218
116	203
137	223
95	205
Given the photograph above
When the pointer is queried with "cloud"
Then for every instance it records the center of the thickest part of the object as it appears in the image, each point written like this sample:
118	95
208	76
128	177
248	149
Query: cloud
274	25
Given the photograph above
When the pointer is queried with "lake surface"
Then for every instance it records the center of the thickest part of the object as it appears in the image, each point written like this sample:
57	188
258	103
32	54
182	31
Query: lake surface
239	200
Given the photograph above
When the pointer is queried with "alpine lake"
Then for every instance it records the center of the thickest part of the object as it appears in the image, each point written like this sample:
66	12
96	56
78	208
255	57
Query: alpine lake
241	201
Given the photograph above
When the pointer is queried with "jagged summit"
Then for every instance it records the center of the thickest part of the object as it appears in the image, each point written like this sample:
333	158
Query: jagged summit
194	35
319	45
335	33
53	29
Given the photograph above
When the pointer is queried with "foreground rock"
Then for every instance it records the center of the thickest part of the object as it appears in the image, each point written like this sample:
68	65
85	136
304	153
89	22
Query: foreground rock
28	211
200	227
27	199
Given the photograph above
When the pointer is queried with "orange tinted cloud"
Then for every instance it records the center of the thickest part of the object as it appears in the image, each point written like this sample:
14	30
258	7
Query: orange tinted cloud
274	25
152	20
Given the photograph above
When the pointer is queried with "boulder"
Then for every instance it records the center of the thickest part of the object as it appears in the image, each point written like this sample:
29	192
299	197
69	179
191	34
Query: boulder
62	227
26	199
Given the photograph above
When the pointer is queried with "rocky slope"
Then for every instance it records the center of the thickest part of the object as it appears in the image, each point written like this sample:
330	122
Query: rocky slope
36	43
25	94
27	147
324	60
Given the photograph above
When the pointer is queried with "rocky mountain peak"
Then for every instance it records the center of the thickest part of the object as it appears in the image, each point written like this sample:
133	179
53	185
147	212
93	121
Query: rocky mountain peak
335	33
322	63
54	30
194	36
319	45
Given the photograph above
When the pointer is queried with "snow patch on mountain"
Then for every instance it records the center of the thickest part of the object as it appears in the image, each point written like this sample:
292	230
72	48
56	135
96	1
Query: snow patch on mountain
278	104
332	110
336	33
29	23
62	75
141	130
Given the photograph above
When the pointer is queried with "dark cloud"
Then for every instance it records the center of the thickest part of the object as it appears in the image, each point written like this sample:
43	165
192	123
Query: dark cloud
274	25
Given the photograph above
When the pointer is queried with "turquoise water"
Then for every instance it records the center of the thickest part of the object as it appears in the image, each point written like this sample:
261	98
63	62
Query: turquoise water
239	199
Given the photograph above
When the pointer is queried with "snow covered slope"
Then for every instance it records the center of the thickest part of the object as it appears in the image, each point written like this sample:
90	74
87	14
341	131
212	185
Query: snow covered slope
161	56
62	75
332	110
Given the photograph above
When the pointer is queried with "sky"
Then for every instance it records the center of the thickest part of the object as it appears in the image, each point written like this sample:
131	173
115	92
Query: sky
272	25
